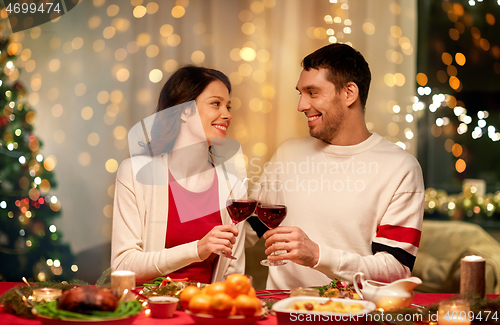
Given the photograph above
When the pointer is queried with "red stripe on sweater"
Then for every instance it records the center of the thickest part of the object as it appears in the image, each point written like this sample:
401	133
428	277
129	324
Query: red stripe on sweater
400	234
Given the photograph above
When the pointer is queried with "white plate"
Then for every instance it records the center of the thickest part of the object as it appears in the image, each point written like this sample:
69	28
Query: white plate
286	314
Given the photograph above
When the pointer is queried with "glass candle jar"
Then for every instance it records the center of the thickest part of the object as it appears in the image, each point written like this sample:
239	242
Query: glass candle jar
46	294
454	312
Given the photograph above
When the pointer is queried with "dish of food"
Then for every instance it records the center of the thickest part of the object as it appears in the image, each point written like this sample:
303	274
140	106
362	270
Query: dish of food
328	305
338	289
85	299
76	321
87	305
204	319
162	286
314	310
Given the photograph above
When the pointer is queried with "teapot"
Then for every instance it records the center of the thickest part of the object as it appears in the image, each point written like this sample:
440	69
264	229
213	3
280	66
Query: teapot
396	294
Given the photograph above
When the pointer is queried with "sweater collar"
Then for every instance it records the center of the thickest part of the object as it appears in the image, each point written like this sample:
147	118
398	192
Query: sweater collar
373	140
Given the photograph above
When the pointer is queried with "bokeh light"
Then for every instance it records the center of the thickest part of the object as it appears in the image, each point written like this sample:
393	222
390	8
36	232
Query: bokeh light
87	113
178	11
155	75
111	165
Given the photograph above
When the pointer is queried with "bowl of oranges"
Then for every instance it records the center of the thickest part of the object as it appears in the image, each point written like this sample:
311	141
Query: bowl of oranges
232	302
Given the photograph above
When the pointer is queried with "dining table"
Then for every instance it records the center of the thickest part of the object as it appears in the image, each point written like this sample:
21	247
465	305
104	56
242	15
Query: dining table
180	317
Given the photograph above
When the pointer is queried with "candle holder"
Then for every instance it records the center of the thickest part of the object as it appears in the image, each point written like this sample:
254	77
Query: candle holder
472	276
121	281
46	294
454	312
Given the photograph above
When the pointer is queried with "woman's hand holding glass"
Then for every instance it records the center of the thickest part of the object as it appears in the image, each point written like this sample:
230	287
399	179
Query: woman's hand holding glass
219	240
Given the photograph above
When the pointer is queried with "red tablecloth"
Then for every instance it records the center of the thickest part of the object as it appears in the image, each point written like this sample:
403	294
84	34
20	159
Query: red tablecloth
425	299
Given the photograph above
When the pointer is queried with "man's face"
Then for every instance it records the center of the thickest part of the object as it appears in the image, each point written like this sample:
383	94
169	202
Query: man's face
322	105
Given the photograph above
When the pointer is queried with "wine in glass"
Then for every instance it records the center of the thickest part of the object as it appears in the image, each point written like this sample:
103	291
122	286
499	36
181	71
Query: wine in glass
271	210
239	205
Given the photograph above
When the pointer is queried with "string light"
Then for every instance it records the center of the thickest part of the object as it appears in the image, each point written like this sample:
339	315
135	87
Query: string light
441	100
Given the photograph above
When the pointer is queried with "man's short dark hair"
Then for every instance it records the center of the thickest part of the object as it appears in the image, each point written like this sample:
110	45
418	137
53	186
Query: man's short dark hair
344	64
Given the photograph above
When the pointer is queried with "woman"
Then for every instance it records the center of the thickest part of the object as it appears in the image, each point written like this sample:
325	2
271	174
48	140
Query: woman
169	214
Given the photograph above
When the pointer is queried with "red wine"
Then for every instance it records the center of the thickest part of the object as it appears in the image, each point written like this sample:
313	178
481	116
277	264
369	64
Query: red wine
271	215
241	209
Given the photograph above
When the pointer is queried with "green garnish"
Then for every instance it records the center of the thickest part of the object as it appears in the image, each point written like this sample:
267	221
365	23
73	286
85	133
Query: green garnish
125	309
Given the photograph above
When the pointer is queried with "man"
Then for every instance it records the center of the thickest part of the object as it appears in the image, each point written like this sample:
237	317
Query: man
354	199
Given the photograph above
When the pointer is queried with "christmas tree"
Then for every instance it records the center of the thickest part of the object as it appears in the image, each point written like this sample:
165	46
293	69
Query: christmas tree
30	244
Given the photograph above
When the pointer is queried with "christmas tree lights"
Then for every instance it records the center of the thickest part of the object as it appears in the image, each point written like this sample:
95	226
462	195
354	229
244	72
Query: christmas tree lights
30	244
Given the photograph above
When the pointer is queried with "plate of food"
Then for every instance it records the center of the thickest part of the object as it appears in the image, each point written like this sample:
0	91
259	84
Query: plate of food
312	310
127	320
87	305
232	302
338	289
205	319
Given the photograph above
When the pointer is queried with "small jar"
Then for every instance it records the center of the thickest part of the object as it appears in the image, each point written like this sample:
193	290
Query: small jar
454	312
46	294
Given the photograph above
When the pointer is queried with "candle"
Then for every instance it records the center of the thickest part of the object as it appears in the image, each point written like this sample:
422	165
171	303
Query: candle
455	312
472	276
47	294
121	281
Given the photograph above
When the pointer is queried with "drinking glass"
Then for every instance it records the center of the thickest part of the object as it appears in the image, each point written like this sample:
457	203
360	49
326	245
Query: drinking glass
271	210
239	206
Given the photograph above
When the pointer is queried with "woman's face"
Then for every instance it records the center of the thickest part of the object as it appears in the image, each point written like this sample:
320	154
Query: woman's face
213	106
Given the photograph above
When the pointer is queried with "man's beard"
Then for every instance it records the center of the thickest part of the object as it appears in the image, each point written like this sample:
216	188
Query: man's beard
329	128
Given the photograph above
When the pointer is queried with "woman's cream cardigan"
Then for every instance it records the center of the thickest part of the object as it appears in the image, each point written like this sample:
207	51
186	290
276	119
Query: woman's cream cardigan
140	217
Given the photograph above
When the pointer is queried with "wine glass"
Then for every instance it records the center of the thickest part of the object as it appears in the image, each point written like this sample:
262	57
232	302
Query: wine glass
239	206
271	210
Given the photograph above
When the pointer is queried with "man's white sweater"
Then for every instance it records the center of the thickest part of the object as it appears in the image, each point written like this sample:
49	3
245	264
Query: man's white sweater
363	205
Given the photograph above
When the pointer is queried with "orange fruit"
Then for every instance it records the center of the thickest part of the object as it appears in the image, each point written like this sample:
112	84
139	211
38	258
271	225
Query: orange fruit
186	295
221	305
258	303
247	306
204	290
234	311
200	304
215	288
252	293
237	284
